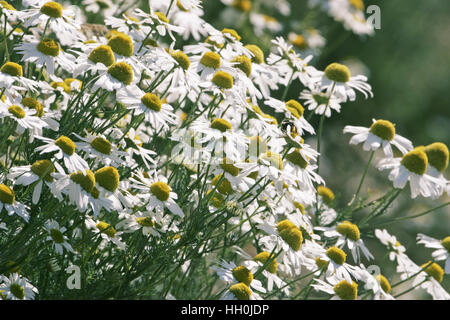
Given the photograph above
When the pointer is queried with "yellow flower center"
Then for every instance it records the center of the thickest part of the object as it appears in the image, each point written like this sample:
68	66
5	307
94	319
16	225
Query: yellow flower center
357	4
446	243
48	47
295	108
326	194
349	230
43	168
384	283
161	16
224	187
66	145
290	234
221	125
299	41
145	222
232	33
244	64
108	178
242	5
383	129
182	59
415	161
152	101
242	274
229	167
62	85
106	228
52	9
33	104
337	72
320	262
296	158
87	182
180	6
434	270
437	154
57	236
337	255
258	54
12	69
7	195
102	54
161	190
101	145
17	290
346	291
17	111
241	291
299	206
263	257
122	71
211	60
223	80
7	6
122	44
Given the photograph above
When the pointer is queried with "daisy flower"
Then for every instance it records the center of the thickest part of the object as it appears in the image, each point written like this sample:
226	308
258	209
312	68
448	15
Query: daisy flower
12	73
99	148
118	76
157	113
17	287
340	290
396	250
412	167
57	237
9	203
438	155
381	134
65	150
337	79
46	52
378	284
232	274
320	102
40	171
94	57
240	291
348	234
156	192
106	232
442	248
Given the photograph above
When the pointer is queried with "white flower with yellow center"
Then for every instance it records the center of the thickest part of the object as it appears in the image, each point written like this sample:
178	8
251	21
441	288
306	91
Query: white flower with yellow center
240	291
351	14
233	274
337	78
25	118
381	134
150	223
207	62
158	113
300	166
46	52
340	290
98	147
9	203
156	192
56	235
11	74
378	284
118	76
320	102
94	57
133	145
158	21
442	248
348	234
17	287
40	171
396	250
438	157
412	167
65	150
106	231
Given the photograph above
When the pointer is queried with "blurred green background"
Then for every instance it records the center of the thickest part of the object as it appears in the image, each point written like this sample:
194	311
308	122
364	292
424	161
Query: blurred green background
408	65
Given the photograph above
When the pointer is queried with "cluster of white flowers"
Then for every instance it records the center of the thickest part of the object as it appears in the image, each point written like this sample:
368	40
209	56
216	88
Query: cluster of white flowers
125	138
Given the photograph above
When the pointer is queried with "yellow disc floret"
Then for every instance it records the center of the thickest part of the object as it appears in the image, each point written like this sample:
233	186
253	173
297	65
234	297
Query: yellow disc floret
337	72
48	47
7	194
349	230
106	228
17	111
182	59
12	69
263	257
33	104
258	54
221	125
66	145
434	270
326	194
102	54
151	101
122	71
232	33
242	274
52	9
223	80
384	283
290	234
44	169
415	161
438	155
160	190
295	108
87	182
244	64
211	59
346	290
383	129
337	255
108	178
446	243
101	145
241	291
122	44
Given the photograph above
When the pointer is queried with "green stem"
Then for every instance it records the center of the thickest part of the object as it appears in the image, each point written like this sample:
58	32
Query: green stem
355	196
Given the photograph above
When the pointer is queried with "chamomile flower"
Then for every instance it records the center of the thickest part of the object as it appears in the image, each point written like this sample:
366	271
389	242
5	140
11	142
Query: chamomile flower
106	231
98	147
12	73
240	291
156	193
337	79
438	155
94	57
25	118
157	113
78	186
396	249
65	150
381	134
57	237
412	167
45	52
40	171
17	287
348	234
118	76
442	248
340	290
320	102
9	203
379	285
133	145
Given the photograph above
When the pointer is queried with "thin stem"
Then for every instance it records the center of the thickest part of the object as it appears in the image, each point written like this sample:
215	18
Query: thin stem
362	178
